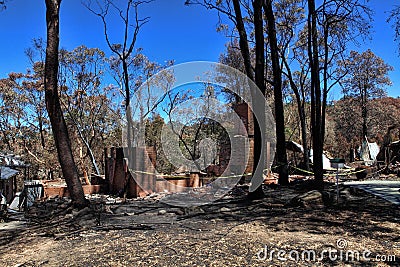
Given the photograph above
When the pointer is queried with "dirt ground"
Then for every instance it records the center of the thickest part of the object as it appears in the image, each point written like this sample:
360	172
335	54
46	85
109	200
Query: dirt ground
362	230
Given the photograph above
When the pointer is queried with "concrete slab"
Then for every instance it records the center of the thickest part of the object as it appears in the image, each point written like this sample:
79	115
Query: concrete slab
388	190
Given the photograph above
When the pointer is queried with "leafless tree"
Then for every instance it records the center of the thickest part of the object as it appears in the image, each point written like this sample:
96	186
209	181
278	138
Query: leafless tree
124	49
330	27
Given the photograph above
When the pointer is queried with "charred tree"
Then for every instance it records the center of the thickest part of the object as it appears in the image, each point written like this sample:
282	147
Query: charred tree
281	157
59	127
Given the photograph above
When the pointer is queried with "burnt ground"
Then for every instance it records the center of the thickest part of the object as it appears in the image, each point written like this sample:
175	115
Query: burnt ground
229	232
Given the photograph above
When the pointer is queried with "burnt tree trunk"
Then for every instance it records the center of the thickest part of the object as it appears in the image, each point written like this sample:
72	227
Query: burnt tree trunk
243	43
281	157
303	125
258	106
245	52
364	114
302	116
59	127
316	107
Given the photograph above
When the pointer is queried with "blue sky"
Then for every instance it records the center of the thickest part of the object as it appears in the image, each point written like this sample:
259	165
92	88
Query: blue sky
174	32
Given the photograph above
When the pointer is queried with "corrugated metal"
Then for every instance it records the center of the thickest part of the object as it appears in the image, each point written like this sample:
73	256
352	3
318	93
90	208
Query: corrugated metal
6	173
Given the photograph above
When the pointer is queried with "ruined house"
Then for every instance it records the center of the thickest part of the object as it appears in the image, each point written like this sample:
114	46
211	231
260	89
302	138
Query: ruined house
8	182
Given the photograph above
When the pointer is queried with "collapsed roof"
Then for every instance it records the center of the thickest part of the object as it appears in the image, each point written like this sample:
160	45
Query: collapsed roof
6	173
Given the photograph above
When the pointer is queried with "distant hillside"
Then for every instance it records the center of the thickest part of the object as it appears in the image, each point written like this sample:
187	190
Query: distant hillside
345	123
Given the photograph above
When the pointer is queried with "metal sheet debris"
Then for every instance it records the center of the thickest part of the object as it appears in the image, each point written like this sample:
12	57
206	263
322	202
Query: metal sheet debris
6	173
